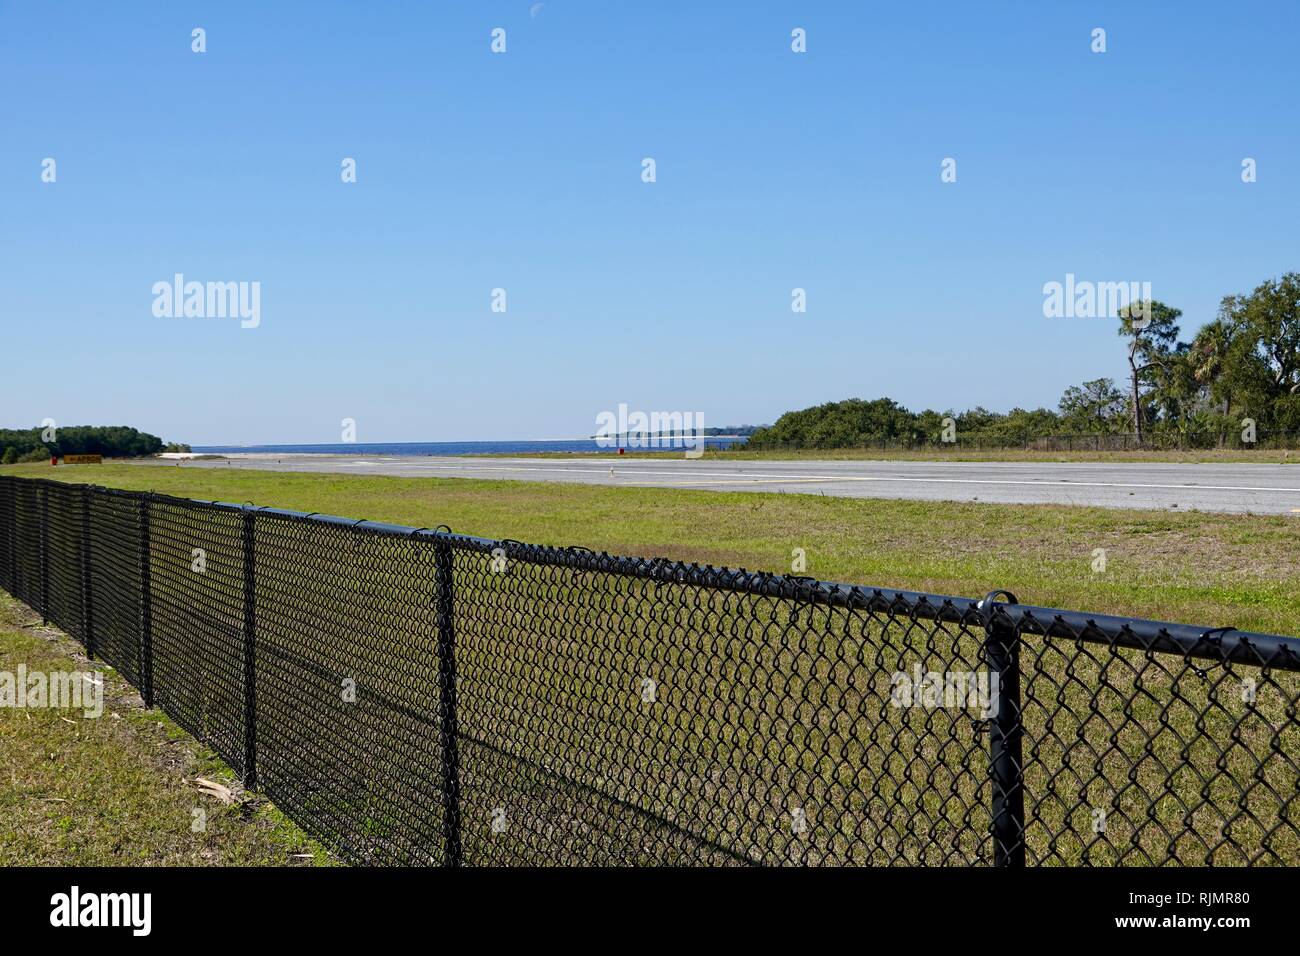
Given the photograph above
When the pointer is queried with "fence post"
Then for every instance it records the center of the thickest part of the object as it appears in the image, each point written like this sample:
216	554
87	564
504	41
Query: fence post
1006	764
87	589
6	522
448	732
145	664
11	532
45	554
250	656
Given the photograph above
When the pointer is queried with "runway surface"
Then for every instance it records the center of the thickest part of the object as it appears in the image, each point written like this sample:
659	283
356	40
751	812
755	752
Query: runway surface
1230	487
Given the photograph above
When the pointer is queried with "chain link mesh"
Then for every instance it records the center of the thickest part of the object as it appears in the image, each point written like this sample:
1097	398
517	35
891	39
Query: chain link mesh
418	697
116	581
1139	755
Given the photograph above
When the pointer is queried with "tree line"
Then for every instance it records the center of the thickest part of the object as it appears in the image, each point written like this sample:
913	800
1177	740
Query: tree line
111	441
1237	376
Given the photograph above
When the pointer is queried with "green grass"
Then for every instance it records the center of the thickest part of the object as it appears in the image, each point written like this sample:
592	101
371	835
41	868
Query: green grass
1211	569
118	789
768	711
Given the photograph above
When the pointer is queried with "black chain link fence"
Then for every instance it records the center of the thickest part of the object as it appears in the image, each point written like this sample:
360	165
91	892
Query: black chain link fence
422	697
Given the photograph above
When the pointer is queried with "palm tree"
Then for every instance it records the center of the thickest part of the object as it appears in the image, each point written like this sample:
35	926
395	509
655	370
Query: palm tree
1210	352
1152	330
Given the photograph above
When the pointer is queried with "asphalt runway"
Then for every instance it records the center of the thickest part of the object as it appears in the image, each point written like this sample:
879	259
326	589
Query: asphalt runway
1228	487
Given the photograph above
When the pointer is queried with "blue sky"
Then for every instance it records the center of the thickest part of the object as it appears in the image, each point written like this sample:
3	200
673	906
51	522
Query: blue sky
523	171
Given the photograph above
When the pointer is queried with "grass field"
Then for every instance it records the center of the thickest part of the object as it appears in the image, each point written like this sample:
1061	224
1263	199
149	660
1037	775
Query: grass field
120	789
1211	569
759	711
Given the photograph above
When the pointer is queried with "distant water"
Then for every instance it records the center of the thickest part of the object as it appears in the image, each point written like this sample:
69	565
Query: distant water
445	447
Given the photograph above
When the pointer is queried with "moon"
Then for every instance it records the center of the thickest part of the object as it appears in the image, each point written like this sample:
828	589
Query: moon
535	9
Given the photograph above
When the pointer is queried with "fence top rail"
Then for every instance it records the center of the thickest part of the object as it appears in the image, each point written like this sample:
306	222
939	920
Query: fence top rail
1218	644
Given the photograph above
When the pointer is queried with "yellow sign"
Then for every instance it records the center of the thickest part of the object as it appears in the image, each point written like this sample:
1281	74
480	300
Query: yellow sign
83	459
